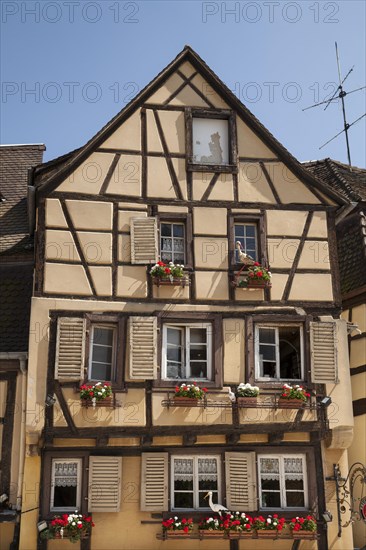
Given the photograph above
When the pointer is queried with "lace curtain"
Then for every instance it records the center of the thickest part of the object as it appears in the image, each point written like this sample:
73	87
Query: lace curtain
293	468
184	467
66	474
270	468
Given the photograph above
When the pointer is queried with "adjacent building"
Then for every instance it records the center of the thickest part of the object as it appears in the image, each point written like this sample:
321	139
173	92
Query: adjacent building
183	173
16	278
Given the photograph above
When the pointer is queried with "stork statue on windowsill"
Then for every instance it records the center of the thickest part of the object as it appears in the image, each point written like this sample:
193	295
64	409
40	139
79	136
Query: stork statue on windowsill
242	257
219	508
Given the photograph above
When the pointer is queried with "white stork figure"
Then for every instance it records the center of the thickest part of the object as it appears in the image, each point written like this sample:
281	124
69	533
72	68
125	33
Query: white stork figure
242	257
215	507
231	395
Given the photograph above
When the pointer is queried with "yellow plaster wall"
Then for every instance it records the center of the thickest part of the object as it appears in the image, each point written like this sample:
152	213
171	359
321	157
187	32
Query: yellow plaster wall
66	279
185	416
165	91
211	285
131	281
126	178
127	136
210	221
92	215
6	535
289	188
315	255
208	92
30	503
159	182
359	387
96	247
252	184
102	279
89	176
289	223
168	292
234	350
357	453
282	252
54	214
358	352
211	253
318	227
359	317
173	125
249	145
278	285
60	246
249	294
307	286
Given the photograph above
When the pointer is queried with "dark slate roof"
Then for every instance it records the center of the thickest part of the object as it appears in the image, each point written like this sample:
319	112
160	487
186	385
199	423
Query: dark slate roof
351	231
15	161
348	181
15	295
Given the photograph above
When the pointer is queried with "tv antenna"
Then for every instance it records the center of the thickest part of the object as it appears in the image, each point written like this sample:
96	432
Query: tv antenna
340	93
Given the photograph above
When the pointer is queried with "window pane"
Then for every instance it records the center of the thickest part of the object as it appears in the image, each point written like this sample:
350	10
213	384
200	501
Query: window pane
271	484
239	231
103	336
178	230
290	352
166	229
199	370
65	497
180	485
100	371
267	335
174	355
210	141
295	500
250	230
102	354
183	500
174	336
198	335
271	500
198	353
166	257
267	352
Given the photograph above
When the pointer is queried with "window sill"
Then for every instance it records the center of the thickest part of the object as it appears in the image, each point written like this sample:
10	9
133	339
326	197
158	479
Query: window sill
223	168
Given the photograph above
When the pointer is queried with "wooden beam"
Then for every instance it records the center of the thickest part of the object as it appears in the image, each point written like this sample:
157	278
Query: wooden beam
64	407
7	436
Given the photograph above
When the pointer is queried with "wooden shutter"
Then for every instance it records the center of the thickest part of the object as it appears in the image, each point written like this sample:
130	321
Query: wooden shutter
324	368
142	349
70	349
241	485
144	241
154	482
105	474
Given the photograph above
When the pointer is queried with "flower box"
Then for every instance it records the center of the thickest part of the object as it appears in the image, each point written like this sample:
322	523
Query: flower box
211	534
171	281
267	534
187	401
291	403
307	535
247	401
177	535
106	402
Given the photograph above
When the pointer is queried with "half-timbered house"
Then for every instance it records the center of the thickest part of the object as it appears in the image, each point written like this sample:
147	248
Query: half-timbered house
183	173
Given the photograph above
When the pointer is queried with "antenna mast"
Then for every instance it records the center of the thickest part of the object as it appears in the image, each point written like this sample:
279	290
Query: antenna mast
341	94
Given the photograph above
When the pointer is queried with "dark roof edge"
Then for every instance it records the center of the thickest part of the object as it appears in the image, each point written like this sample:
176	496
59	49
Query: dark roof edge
188	54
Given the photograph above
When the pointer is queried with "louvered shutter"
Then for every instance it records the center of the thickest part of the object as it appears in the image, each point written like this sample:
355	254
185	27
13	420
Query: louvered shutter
105	473
70	349
144	241
323	341
154	482
241	485
143	347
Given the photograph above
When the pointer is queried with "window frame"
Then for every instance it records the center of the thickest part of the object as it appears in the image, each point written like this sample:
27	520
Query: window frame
282	490
118	323
221	114
276	326
78	486
186	349
215	320
195	489
186	220
45	495
114	328
249	219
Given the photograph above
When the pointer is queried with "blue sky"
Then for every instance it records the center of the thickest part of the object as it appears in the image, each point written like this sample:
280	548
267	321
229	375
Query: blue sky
67	67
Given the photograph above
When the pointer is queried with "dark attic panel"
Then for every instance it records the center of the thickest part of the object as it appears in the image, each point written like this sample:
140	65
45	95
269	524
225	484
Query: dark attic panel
352	252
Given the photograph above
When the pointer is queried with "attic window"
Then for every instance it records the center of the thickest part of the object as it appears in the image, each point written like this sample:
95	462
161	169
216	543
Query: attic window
211	140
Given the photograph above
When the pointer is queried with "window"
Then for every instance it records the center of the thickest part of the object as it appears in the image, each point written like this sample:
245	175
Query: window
102	352
172	242
282	481
211	140
279	352
65	484
192	478
187	351
246	234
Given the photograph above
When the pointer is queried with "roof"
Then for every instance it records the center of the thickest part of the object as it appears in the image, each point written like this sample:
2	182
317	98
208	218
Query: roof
351	231
16	282
349	181
47	179
15	161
